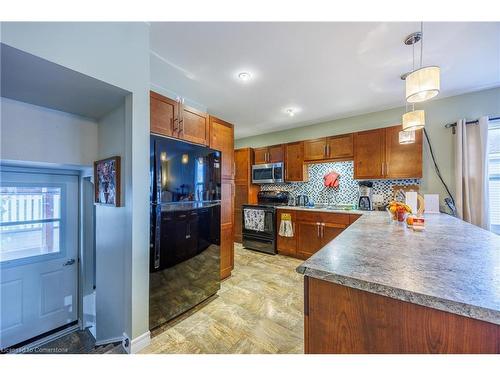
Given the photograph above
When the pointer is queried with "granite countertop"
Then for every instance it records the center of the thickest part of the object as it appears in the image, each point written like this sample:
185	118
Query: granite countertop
451	266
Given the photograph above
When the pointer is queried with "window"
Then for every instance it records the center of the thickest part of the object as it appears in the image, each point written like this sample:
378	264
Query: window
30	221
494	175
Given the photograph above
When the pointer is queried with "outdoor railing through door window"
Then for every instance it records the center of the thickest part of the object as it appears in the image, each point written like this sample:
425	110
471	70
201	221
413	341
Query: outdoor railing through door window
30	221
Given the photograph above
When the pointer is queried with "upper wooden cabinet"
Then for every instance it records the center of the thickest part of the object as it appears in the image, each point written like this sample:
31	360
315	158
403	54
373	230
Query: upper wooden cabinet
270	154
315	149
164	115
222	139
339	147
193	125
402	160
369	154
173	119
378	155
295	169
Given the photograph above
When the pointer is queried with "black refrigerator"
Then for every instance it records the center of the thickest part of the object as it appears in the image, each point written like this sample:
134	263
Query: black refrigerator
185	227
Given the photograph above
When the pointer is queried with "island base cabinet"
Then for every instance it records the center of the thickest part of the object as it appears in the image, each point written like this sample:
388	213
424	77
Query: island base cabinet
342	320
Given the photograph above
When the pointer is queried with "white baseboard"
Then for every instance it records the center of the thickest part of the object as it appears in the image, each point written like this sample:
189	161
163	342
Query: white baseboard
140	342
108	341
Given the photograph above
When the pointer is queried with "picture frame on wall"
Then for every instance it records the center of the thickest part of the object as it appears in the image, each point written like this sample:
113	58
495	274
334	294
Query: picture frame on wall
107	183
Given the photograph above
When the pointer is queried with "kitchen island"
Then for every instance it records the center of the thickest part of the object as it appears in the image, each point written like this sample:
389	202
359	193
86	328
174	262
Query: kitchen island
380	287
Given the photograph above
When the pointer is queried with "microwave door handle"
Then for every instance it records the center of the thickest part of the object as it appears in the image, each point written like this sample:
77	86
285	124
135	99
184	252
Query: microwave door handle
272	175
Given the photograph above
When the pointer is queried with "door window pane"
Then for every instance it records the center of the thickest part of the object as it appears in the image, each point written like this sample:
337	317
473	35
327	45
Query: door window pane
30	221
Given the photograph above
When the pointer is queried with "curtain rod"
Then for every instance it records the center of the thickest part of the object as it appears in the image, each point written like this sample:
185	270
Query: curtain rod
452	125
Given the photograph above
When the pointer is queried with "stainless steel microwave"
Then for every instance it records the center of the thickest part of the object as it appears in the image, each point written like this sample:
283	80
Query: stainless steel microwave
267	173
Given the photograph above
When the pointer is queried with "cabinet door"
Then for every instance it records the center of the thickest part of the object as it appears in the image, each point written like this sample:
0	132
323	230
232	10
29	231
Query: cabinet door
309	238
222	139
260	155
275	154
402	161
315	149
295	170
238	212
227	202
369	153
329	231
242	163
341	147
226	250
287	245
193	125
163	114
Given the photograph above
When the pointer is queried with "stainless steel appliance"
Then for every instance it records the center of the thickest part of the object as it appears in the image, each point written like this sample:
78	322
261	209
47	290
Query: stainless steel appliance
268	173
262	236
185	227
365	196
301	200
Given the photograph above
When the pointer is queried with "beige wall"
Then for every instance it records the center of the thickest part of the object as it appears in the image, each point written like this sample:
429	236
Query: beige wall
438	113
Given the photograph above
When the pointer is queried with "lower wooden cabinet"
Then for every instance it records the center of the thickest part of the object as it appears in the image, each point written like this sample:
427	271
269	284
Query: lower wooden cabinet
343	320
287	245
308	238
312	231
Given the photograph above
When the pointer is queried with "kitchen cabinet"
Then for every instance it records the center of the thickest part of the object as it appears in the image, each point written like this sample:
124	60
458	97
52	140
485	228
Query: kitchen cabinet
339	147
315	149
172	118
312	231
402	160
222	139
295	169
378	155
287	245
164	113
193	125
269	154
342	320
245	191
369	154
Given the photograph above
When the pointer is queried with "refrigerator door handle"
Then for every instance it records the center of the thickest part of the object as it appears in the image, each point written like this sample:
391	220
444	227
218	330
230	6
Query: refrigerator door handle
157	249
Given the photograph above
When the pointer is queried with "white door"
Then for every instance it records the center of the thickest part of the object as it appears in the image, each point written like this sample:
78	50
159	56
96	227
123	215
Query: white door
38	254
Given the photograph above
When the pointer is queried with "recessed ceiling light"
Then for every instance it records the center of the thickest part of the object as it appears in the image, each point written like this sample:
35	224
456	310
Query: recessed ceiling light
244	76
290	112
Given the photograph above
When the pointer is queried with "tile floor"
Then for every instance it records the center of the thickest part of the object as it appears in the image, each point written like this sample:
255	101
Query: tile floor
259	309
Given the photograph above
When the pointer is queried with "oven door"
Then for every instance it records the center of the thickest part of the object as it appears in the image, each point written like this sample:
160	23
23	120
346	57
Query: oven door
258	221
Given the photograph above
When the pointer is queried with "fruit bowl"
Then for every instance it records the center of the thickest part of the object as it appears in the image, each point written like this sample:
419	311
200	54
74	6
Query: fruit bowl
398	211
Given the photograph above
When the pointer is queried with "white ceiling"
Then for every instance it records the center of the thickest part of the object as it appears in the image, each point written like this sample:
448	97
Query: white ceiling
324	70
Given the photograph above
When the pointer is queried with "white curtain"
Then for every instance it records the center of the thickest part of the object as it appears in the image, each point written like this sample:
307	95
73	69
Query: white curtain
471	172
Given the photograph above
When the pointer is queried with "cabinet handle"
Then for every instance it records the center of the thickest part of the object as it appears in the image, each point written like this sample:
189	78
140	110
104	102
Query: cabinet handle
318	225
322	230
327	150
386	169
382	167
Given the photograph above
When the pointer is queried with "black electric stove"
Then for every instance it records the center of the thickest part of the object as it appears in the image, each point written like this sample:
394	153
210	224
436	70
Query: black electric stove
259	230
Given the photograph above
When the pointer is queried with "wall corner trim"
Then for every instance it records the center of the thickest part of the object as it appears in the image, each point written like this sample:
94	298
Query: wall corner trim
140	342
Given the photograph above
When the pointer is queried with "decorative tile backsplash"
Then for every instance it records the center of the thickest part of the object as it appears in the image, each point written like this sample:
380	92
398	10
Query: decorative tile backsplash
346	192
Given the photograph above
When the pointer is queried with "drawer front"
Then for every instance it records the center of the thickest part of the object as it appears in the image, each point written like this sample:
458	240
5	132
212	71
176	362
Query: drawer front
323	217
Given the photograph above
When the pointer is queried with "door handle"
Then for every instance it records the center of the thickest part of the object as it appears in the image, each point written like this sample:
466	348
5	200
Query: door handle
322	230
318	225
69	262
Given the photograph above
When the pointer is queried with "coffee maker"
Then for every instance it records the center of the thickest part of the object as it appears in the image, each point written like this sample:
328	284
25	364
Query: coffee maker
365	195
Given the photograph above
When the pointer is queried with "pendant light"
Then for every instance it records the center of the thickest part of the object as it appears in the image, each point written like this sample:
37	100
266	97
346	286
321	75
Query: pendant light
414	119
423	83
406	137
